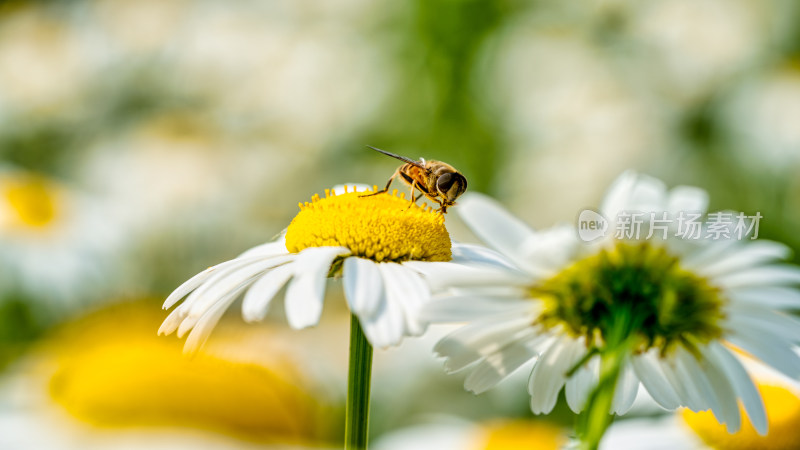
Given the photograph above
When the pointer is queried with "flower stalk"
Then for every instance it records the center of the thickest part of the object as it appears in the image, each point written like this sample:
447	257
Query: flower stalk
358	388
596	419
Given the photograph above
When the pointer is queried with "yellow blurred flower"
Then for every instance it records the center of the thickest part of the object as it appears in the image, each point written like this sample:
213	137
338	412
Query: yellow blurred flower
783	414
522	434
111	370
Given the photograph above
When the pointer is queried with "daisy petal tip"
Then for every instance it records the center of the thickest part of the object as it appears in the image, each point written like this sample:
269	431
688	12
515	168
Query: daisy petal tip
165	329
471	390
449	369
190	350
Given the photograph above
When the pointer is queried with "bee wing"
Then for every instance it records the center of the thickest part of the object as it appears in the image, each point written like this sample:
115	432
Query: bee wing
401	158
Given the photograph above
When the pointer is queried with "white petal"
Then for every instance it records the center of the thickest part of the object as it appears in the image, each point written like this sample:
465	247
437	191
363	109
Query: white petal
202	329
772	297
406	287
499	365
472	342
652	377
707	252
385	328
441	275
760	276
742	384
747	255
274	248
634	192
687	199
625	391
549	373
463	308
257	299
723	389
192	283
172	321
363	286
677	375
581	384
496	226
617	195
306	292
476	254
772	350
190	321
231	278
553	249
696	381
761	320
504	292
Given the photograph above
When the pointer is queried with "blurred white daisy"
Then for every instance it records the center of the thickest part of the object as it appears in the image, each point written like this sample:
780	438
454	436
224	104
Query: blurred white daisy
368	240
55	243
678	303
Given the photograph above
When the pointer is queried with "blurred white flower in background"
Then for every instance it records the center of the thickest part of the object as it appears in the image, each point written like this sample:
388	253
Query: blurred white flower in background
178	165
761	117
572	119
136	28
279	74
57	244
693	46
46	62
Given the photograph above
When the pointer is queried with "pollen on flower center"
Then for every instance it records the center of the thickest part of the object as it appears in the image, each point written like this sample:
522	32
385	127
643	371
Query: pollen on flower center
666	303
382	227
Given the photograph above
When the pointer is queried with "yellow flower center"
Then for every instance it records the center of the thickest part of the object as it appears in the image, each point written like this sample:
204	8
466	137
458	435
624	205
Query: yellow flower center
381	227
113	372
783	415
664	303
30	199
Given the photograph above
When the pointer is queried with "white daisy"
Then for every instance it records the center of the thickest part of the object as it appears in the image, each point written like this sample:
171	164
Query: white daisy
368	240
56	244
679	304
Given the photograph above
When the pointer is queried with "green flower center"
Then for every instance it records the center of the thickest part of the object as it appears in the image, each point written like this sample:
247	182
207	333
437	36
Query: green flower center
664	304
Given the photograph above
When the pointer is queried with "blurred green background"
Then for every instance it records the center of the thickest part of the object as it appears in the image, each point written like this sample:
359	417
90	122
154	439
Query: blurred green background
141	142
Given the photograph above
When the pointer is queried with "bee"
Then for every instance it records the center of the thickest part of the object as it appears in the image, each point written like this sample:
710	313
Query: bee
437	180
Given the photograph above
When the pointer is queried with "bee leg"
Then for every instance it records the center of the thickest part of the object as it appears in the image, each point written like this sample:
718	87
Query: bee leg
385	189
413	200
418	197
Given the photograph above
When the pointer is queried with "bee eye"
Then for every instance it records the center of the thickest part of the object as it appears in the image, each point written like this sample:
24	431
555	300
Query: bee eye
445	182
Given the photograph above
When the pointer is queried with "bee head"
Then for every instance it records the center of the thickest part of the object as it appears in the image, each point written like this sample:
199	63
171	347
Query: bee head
450	186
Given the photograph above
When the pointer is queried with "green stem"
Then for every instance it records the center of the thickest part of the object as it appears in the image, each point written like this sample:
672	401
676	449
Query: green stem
597	417
358	386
